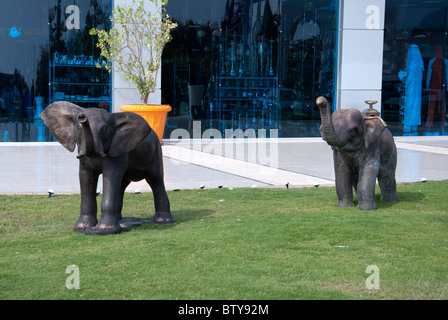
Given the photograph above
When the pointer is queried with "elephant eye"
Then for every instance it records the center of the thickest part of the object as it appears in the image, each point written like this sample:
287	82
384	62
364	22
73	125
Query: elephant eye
82	118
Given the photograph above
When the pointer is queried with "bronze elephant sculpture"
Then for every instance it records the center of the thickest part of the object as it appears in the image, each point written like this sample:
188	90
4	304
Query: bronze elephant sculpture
363	150
120	146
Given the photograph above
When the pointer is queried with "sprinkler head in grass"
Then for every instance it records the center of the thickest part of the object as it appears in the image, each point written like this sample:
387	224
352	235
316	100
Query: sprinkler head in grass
316	185
50	193
287	184
137	191
202	186
424	180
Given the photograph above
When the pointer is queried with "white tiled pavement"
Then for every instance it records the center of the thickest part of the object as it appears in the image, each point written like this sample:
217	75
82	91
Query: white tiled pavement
36	167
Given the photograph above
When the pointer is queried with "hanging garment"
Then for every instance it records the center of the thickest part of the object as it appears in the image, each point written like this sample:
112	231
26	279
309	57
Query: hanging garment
413	106
436	82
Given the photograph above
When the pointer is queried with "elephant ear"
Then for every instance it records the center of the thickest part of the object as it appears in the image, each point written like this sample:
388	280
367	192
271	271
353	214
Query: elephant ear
130	129
60	118
374	129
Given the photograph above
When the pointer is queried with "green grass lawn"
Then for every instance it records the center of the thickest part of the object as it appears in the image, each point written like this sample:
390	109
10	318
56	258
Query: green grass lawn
231	244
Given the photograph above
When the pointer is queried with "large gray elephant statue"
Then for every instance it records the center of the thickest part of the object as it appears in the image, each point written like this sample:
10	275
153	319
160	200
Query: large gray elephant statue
363	150
120	146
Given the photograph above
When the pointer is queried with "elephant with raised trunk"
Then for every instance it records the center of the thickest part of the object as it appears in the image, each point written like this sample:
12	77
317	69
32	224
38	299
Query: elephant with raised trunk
120	146
363	150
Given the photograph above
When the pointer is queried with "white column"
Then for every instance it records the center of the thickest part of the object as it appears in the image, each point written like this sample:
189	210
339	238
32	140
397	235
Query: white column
360	56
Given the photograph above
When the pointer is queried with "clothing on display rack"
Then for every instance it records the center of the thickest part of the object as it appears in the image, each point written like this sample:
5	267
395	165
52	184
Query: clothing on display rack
436	82
413	102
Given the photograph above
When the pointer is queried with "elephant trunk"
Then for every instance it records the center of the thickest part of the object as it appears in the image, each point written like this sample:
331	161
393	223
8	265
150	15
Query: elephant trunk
327	129
88	145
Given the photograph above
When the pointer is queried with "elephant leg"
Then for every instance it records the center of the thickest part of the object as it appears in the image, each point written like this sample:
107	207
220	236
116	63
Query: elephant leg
343	180
388	185
88	180
161	201
123	187
108	224
388	166
366	187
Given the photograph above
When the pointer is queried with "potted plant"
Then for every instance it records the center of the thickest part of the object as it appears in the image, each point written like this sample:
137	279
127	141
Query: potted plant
135	43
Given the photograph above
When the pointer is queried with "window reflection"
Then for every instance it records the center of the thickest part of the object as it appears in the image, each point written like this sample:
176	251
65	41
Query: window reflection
34	33
249	64
415	69
23	66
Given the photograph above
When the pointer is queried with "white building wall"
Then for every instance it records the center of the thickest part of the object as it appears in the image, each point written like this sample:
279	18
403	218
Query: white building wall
360	53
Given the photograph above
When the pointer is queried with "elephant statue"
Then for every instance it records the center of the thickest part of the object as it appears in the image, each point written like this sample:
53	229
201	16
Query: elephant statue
363	150
120	146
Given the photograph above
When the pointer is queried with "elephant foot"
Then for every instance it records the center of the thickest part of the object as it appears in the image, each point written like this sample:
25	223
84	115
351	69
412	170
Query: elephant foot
84	222
389	197
345	204
163	218
105	227
367	206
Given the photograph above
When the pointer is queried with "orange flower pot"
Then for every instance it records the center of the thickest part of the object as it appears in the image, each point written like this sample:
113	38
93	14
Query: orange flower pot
155	115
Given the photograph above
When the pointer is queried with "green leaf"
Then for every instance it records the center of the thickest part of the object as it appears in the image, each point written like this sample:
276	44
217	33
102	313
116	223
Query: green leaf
137	34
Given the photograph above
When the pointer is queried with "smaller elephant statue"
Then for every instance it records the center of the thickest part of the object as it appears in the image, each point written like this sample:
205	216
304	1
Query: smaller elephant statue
363	150
120	146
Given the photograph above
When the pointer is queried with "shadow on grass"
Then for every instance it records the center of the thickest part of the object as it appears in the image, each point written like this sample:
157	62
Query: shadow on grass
180	216
407	196
403	197
189	215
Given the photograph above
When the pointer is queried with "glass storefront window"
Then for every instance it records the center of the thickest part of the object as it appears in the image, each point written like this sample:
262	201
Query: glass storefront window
415	68
47	55
250	64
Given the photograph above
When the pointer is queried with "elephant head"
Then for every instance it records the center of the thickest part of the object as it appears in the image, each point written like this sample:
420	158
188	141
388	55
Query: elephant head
97	132
346	128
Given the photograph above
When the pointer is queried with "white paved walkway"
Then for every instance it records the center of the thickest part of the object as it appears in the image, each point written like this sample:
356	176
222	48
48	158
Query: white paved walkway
37	167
